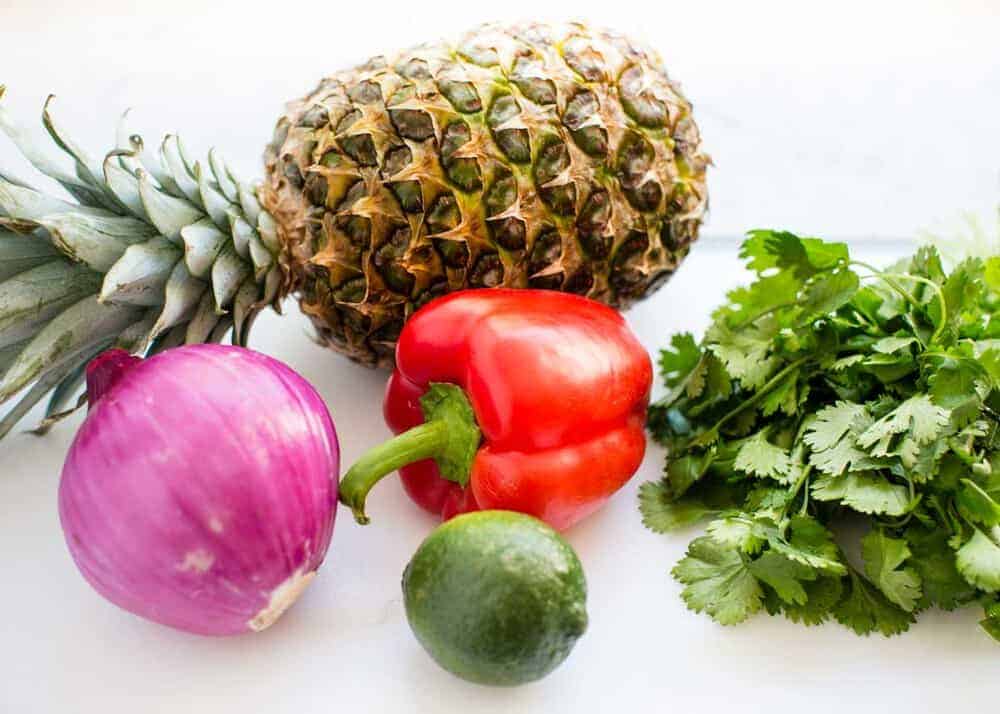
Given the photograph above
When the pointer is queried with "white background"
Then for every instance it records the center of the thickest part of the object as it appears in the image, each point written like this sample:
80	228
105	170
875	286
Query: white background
857	120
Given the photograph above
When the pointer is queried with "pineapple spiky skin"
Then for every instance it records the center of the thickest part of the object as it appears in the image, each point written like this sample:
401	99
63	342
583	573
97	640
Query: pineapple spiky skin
529	156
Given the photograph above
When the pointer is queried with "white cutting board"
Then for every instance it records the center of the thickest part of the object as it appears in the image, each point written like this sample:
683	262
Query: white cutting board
863	122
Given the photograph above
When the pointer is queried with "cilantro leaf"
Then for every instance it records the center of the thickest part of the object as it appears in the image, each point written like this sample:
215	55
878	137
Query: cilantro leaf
745	354
991	623
718	582
811	544
766	249
918	418
677	363
871	493
883	558
934	561
822	595
828	293
891	345
784	397
866	610
979	560
783	575
661	514
976	504
738	531
955	385
759	457
831	424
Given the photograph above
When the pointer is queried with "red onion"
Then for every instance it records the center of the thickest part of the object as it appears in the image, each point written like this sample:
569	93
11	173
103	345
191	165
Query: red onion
201	490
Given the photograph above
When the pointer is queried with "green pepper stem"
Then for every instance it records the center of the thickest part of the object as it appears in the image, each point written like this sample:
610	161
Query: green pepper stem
421	442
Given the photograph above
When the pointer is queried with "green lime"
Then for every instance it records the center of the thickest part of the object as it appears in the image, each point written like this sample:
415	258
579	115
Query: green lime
496	597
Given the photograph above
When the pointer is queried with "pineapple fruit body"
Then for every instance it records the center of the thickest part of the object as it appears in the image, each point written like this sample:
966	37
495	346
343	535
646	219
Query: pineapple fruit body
535	156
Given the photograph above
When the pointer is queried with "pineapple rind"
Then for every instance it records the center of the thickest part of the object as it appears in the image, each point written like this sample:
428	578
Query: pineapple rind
559	157
128	241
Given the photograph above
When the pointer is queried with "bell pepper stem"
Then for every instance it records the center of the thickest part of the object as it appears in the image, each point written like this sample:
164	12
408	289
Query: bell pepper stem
450	436
421	442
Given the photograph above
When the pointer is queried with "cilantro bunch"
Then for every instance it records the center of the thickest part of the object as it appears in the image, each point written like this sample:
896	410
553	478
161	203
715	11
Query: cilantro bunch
826	393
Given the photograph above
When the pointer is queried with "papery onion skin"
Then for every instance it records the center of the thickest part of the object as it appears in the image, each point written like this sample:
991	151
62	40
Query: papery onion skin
201	490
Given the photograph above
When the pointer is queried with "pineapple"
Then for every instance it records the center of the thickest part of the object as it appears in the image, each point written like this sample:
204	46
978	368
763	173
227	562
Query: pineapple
532	156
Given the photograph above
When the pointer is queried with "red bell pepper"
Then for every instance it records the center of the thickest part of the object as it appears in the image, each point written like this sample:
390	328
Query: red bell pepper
522	400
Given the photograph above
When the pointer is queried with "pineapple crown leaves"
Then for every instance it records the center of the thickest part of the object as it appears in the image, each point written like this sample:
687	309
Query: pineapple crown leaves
149	253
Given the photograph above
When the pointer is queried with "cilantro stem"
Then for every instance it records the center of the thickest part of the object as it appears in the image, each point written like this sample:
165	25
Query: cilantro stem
805	494
888	278
712	434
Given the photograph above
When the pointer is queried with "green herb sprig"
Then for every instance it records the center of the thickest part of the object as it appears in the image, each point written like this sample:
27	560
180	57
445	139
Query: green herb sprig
827	391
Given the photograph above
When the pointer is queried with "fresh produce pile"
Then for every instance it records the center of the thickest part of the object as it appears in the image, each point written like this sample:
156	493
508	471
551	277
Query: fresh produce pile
201	489
826	396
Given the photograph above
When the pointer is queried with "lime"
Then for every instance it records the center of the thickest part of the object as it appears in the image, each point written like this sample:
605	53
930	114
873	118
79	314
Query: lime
496	597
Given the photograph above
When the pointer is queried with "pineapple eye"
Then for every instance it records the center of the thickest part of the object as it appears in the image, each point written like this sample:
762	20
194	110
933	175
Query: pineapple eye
546	250
645	197
465	173
409	195
667	235
291	171
527	75
361	148
514	142
444	214
454	253
635	157
487	272
462	95
480	55
412	123
592	223
436	289
583	59
553	159
316	189
581	282
388	262
596	212
509	233
583	107
635	243
315	117
366	92
351	291
414	69
552	281
347	121
454	136
501	195
358	229
354	192
561	199
396	159
503	109
639	103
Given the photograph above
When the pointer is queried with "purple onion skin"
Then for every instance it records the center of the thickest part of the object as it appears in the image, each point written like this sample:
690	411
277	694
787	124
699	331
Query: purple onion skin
201	490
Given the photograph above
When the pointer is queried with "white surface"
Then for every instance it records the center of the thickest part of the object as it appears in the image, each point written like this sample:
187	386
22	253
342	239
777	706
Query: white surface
872	120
